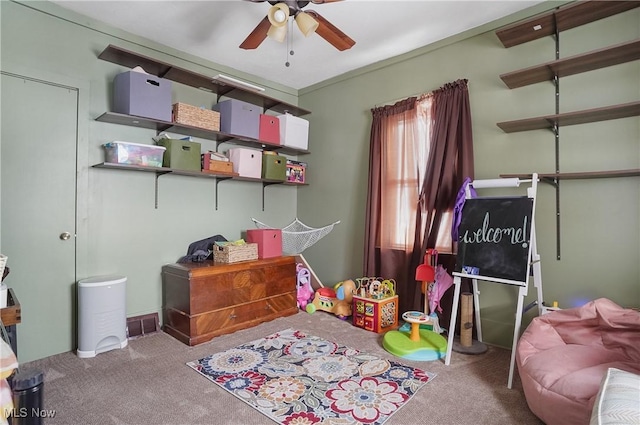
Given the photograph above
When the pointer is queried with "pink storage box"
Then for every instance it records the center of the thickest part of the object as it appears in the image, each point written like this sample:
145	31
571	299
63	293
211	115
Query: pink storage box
269	241
246	162
269	129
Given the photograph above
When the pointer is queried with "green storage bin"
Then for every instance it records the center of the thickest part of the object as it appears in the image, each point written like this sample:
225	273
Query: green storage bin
181	154
274	167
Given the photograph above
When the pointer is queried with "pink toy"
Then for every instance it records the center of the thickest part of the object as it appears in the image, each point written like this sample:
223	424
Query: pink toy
305	291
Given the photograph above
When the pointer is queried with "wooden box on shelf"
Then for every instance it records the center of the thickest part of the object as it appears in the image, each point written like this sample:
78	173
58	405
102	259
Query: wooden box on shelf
214	166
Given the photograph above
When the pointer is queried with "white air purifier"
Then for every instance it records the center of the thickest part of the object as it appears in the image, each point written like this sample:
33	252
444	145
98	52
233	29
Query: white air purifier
102	321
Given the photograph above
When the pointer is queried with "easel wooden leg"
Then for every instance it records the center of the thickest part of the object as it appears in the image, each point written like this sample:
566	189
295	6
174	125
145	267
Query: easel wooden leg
454	317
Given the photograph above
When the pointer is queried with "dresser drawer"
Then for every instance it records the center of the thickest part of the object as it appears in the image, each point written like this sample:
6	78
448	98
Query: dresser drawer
240	287
199	328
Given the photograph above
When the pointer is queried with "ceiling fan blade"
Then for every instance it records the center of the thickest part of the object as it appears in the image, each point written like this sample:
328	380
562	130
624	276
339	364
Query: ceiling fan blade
331	33
257	36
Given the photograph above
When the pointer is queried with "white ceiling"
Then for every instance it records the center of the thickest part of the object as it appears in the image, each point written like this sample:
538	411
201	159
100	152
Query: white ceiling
213	30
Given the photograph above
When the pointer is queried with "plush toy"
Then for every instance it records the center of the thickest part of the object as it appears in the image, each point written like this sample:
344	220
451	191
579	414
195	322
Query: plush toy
305	291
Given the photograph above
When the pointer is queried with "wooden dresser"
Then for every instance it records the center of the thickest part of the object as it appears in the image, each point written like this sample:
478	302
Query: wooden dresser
204	300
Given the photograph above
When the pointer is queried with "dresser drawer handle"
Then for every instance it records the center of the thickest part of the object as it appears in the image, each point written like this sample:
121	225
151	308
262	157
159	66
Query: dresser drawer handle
232	316
267	307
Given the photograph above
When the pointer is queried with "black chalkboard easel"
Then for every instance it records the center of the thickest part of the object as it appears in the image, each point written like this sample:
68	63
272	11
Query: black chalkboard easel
497	243
494	238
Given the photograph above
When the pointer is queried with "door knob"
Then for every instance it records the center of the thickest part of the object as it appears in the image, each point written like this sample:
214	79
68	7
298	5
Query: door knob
65	236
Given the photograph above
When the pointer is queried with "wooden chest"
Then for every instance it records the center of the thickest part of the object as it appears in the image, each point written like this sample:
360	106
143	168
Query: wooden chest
204	300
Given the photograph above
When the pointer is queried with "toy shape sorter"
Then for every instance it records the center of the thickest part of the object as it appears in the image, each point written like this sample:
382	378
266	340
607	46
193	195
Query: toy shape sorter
375	304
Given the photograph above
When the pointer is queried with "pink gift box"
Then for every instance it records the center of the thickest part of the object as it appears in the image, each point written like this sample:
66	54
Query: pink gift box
269	241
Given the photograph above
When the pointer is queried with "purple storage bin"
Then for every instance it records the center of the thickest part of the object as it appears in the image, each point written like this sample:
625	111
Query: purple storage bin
142	95
239	118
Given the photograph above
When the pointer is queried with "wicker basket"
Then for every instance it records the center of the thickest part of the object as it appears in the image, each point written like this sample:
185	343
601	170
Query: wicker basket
234	253
196	117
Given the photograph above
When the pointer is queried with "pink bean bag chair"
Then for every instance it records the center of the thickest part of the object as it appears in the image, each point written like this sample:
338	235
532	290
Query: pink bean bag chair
563	356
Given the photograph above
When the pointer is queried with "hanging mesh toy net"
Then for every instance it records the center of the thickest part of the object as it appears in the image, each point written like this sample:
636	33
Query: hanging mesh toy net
297	236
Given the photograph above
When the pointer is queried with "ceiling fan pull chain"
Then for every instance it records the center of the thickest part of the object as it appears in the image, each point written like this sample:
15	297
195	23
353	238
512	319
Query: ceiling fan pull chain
289	43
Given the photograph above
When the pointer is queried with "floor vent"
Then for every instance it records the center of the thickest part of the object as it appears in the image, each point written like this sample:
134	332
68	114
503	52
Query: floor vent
142	325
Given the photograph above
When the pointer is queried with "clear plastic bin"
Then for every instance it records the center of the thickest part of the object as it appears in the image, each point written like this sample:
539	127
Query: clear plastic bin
134	154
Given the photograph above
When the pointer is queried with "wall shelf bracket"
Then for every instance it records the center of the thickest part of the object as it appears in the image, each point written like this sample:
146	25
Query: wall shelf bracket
218	180
158	174
265	184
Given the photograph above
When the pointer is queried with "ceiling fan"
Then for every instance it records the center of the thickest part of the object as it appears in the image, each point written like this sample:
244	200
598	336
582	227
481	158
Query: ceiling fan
274	25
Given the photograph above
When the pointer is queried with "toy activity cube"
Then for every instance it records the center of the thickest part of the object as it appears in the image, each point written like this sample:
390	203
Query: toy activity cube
377	315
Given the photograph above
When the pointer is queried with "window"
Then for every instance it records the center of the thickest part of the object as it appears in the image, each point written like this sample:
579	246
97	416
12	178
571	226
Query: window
405	165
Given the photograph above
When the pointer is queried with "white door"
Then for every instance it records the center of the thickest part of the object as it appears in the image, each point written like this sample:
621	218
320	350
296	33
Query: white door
38	225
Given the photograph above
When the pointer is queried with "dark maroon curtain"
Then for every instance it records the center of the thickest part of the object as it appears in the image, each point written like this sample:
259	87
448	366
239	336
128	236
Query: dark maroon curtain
377	262
450	162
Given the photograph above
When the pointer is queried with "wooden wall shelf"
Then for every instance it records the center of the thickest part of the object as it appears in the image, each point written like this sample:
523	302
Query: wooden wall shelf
164	170
596	59
580	175
572	118
564	18
160	126
161	69
552	23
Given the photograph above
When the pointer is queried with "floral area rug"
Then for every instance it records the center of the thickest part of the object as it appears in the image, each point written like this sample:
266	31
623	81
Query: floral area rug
295	378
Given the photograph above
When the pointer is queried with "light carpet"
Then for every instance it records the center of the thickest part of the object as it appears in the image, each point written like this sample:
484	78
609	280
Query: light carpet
293	377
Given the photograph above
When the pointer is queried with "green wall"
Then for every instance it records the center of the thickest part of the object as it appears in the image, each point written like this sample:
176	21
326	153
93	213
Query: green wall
600	219
125	234
120	231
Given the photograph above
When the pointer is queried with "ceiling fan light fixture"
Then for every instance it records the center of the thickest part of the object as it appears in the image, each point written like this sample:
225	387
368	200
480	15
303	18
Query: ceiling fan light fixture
306	23
277	33
278	15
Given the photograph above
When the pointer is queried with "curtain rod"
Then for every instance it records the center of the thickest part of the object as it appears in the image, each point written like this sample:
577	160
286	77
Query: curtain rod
391	102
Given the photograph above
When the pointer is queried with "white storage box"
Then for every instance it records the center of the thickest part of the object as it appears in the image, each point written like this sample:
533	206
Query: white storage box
294	131
134	154
246	162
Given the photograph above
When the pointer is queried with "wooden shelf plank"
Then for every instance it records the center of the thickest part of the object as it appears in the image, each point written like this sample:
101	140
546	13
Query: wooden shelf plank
160	126
596	59
571	118
580	175
161	69
133	121
566	17
208	174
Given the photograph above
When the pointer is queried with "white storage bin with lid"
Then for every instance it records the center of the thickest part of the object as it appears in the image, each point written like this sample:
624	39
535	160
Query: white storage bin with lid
102	320
294	131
